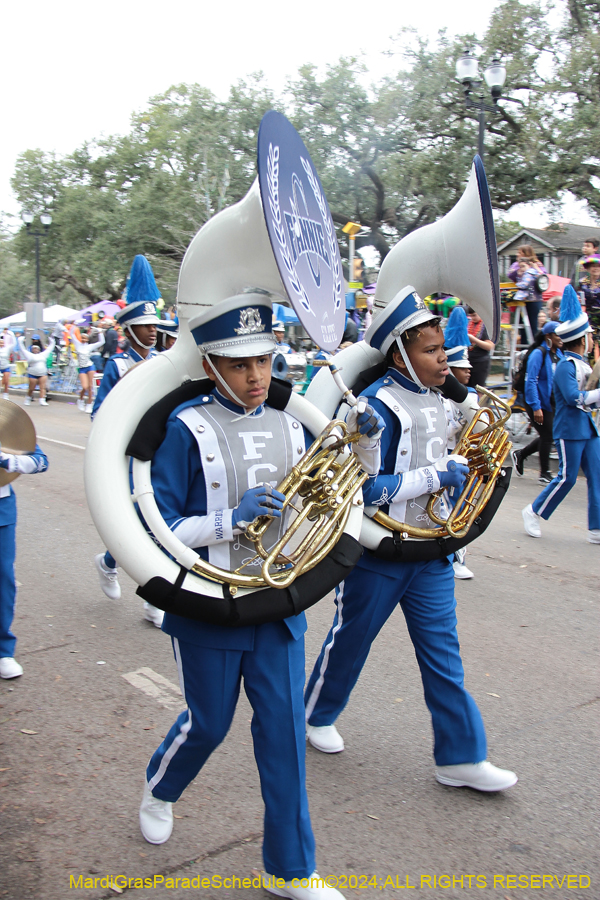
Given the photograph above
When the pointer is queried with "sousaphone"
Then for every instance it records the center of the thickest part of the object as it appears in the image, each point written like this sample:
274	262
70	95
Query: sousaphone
279	239
456	255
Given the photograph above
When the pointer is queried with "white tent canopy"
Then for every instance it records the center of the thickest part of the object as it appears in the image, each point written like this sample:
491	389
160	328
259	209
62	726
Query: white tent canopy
51	316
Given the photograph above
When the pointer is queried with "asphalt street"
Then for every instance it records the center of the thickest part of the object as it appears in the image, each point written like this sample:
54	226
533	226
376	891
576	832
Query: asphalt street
100	691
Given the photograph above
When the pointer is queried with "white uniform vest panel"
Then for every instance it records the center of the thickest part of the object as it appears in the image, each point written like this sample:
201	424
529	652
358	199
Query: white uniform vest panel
424	440
237	455
123	364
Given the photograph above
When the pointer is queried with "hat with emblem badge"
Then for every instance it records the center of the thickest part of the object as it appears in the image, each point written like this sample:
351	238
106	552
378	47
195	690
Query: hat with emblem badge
237	327
141	295
405	311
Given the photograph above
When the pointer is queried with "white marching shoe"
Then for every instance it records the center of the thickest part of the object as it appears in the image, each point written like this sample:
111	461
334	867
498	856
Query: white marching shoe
109	578
531	521
88	407
481	776
325	738
81	404
10	668
153	614
27	401
311	888
5	397
43	401
594	536
156	818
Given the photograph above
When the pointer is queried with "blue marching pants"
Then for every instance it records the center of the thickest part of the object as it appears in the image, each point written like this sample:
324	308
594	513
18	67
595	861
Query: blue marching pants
365	601
573	455
273	674
8	589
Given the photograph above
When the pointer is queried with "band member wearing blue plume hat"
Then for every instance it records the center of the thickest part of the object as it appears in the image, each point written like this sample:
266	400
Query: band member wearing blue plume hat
139	319
575	434
414	464
208	481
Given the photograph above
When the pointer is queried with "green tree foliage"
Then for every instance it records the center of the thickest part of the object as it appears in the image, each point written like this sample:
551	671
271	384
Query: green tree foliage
393	156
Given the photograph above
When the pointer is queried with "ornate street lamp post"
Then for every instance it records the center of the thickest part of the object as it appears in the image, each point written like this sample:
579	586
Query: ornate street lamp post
467	72
46	220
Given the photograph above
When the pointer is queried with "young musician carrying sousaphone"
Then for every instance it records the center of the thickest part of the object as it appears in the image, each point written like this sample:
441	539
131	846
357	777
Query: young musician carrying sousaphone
212	476
414	464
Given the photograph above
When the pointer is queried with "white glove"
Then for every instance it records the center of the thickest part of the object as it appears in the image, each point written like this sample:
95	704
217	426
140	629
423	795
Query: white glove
590	398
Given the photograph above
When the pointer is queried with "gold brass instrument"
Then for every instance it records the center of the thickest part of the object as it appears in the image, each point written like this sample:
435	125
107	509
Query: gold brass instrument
484	442
17	434
325	481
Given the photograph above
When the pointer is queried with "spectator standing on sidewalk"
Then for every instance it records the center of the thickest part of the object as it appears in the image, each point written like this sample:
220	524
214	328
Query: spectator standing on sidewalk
540	366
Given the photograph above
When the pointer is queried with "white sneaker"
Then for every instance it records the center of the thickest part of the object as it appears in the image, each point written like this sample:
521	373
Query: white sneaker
5	397
10	668
80	404
325	738
88	407
531	521
109	579
43	401
156	818
482	776
461	571
27	401
153	614
311	888
594	536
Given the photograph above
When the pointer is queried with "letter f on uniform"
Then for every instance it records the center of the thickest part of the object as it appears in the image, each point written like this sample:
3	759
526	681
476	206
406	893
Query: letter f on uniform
250	444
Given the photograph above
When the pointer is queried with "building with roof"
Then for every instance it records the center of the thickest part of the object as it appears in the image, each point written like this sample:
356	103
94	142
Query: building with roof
558	247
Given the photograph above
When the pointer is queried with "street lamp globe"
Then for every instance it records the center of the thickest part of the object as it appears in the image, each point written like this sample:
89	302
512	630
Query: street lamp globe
46	219
27	216
495	76
467	69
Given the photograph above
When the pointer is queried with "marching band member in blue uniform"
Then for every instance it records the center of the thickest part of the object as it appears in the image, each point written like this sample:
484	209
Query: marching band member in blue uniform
457	345
213	475
574	431
29	464
140	321
279	332
414	464
167	334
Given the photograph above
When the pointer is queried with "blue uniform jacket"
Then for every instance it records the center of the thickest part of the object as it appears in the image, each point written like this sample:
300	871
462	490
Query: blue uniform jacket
571	422
111	375
538	378
180	491
8	504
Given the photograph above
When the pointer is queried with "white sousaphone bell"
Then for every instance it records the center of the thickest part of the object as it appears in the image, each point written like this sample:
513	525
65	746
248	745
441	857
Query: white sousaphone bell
232	253
455	255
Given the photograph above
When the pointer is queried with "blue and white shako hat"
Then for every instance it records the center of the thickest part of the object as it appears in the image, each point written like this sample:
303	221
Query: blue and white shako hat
456	339
141	295
167	326
405	311
574	323
239	326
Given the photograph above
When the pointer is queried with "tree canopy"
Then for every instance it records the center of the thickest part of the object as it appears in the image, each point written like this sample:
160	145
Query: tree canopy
392	156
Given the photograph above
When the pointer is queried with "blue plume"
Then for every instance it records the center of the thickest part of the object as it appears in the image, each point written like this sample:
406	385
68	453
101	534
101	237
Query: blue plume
456	333
570	307
141	284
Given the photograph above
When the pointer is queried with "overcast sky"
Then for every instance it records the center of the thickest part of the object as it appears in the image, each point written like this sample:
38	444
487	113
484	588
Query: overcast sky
72	71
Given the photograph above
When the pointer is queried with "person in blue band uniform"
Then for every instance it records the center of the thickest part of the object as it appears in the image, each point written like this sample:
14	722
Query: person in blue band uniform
575	434
167	334
457	345
414	464
140	322
27	464
214	473
540	365
279	332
